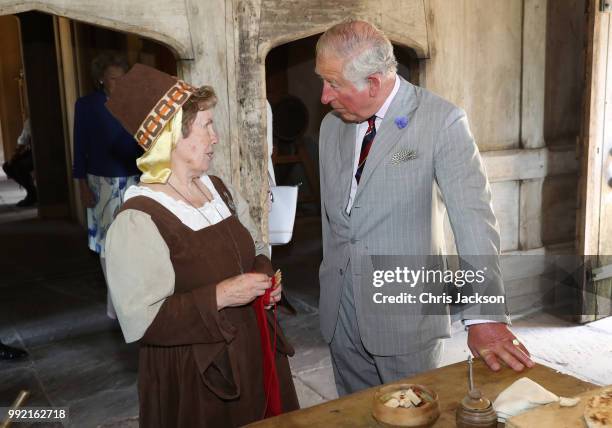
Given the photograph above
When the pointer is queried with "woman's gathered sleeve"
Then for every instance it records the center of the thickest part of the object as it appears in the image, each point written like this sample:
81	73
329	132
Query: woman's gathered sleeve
141	282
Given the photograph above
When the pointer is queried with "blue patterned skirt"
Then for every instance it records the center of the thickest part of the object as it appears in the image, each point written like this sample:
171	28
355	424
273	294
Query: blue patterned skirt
109	193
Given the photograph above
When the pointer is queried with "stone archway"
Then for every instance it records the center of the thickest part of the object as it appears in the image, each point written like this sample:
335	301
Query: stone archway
53	154
166	23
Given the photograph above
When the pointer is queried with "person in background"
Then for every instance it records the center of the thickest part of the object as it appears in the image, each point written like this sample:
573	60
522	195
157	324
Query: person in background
104	155
21	165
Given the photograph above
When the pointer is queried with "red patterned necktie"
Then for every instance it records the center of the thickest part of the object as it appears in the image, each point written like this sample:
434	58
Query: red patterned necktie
366	144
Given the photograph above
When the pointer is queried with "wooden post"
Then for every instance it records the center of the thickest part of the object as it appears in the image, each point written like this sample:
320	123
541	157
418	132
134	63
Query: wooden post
533	74
11	118
533	87
591	148
44	94
69	92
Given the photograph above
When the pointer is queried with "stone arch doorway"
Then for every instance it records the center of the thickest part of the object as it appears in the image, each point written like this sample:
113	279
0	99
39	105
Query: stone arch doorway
55	65
114	15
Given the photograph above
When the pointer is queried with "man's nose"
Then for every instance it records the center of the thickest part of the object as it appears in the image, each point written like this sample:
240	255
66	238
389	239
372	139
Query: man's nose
326	94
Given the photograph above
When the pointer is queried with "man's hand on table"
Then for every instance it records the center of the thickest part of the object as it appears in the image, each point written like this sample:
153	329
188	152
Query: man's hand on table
492	341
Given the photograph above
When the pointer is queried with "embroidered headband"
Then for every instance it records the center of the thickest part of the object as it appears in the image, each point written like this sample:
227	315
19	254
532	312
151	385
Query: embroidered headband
153	125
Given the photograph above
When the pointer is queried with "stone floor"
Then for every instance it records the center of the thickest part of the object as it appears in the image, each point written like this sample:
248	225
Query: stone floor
53	304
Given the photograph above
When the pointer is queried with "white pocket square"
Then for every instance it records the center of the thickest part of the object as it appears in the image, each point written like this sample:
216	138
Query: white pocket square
403	156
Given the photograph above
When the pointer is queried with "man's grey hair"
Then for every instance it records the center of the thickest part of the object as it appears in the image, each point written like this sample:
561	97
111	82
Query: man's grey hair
364	48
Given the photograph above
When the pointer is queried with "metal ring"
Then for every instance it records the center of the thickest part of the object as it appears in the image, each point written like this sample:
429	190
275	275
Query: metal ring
516	342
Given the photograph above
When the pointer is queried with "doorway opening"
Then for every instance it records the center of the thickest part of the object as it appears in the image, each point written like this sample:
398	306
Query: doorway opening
45	66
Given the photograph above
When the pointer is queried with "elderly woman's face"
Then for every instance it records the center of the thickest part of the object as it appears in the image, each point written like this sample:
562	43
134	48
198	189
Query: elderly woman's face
111	74
197	149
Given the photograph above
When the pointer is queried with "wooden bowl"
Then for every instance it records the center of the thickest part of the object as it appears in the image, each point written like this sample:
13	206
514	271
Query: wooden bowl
414	417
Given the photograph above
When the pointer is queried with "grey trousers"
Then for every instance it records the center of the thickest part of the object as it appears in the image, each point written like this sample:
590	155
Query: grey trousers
355	368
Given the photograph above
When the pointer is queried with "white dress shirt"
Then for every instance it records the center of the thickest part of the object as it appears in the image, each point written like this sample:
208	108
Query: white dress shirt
362	128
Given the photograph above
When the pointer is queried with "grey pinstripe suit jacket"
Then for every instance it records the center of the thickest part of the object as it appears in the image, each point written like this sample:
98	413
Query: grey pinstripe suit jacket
398	209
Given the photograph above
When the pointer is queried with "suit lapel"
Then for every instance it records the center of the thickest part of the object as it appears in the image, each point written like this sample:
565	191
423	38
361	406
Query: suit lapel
388	135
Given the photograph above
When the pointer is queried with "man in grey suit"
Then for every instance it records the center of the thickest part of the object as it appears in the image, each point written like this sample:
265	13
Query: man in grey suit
390	152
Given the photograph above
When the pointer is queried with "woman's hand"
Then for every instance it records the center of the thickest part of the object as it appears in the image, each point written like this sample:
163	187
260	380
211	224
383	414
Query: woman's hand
275	295
242	289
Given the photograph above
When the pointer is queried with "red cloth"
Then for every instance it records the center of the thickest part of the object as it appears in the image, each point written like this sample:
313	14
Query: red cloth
270	376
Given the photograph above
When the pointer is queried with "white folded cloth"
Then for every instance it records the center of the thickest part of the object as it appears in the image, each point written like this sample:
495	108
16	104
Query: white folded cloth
522	395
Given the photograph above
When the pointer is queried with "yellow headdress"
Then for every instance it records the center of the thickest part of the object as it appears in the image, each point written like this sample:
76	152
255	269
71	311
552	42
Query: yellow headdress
155	163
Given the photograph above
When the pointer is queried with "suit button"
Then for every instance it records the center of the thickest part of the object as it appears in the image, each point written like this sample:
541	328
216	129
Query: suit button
341	272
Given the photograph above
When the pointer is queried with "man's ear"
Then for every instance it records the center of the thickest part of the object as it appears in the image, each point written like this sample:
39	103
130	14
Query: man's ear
374	84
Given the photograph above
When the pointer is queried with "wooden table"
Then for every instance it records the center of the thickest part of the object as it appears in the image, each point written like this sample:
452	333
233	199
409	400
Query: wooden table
449	382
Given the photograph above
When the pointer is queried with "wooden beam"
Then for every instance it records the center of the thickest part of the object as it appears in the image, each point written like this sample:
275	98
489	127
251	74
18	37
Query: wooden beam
505	201
403	21
530	213
525	164
10	66
68	87
44	94
605	162
533	96
591	141
133	47
533	73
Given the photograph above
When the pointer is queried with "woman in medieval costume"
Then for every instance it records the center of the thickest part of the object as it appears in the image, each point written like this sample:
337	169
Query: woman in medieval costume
188	280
